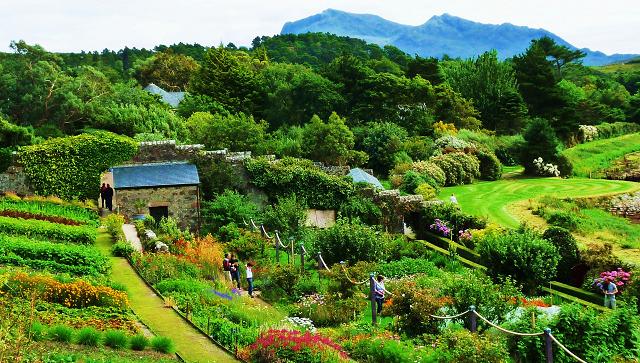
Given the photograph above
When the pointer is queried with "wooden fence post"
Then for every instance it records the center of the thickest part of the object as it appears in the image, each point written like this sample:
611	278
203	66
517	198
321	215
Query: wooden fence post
372	292
548	345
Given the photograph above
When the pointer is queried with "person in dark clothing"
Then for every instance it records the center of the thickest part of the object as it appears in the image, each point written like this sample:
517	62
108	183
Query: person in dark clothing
108	193
250	278
103	188
235	271
379	291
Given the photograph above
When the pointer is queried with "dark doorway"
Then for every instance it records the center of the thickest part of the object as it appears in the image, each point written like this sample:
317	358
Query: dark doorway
158	212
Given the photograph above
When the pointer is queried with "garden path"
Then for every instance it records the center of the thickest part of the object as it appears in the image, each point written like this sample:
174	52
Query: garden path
149	307
132	236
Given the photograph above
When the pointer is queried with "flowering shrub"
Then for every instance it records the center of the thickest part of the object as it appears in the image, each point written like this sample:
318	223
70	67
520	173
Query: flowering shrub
413	305
440	227
587	133
304	323
76	294
619	277
547	169
452	142
293	346
465	236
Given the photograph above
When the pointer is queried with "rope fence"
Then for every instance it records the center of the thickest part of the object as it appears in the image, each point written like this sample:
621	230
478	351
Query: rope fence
449	317
566	350
346	274
507	330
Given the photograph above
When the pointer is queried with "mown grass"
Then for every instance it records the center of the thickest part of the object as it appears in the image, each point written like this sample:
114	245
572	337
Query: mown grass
490	199
592	158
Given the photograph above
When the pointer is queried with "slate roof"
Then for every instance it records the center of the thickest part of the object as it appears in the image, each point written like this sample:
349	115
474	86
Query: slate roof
359	175
172	98
154	175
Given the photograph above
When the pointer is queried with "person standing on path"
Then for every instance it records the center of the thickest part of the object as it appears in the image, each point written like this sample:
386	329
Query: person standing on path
610	290
103	188
235	271
226	267
453	199
379	291
108	193
250	278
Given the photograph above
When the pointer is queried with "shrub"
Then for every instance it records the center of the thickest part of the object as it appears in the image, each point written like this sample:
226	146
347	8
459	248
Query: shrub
162	345
300	177
37	331
61	333
413	307
47	230
459	168
248	246
88	336
294	346
540	142
217	176
524	255
567	248
462	346
410	181
446	212
609	130
70	167
356	242
122	249
564	219
138	342
406	267
490	166
426	191
358	208
382	349
183	286
157	267
452	142
286	216
113	223
115	339
228	207
285	277
77	260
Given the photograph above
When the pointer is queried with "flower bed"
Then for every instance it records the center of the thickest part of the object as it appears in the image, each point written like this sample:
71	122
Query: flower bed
294	346
50	211
42	229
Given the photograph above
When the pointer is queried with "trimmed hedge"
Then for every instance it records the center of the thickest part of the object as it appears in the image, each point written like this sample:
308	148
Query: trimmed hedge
77	260
70	167
42	229
298	176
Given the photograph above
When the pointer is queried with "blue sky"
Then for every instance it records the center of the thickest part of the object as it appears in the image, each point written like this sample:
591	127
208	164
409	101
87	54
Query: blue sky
72	25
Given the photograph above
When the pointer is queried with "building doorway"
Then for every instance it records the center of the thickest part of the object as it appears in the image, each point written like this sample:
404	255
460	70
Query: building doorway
159	212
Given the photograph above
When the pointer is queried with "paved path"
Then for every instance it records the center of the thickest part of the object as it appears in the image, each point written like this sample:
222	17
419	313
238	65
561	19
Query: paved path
190	344
132	236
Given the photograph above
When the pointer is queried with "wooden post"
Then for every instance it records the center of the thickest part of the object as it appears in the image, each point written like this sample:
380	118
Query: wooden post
301	256
208	324
277	248
473	319
548	345
293	254
372	291
235	338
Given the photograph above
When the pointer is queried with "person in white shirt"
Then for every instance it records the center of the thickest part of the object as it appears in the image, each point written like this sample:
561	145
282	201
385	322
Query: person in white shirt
250	278
453	199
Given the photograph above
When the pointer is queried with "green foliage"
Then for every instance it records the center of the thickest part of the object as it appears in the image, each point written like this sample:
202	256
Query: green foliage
410	181
14	135
113	223
330	142
563	219
567	248
44	229
284	277
300	177
459	168
88	336
448	212
381	141
162	345
592	158
131	119
60	333
216	176
460	345
413	306
47	209
406	267
185	286
355	242
71	167
359	208
239	132
74	259
157	267
168	70
228	207
248	246
115	339
523	255
287	216
490	166
138	342
540	141
379	349
122	249
615	129
37	331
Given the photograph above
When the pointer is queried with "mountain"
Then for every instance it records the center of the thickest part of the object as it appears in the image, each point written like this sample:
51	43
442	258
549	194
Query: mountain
440	35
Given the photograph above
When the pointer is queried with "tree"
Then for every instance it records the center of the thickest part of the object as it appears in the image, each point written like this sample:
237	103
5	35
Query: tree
540	141
381	141
170	71
237	132
330	142
560	55
13	135
427	68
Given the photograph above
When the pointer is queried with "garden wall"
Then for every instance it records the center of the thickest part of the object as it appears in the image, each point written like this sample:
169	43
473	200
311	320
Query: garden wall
14	180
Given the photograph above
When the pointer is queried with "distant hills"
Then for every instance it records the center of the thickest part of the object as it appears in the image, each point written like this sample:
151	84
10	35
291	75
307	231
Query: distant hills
440	35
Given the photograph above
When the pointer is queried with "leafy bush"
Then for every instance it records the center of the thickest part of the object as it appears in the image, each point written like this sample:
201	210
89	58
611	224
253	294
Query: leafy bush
524	255
43	229
88	336
286	216
355	242
609	130
490	166
60	333
217	176
426	191
564	219
410	181
115	339
300	177
113	223
248	246
567	248
462	346
406	267
358	208
184	286
285	277
381	349
122	249
37	331
448	212
157	267
413	306
138	342
459	168
78	260
70	167
228	207
162	345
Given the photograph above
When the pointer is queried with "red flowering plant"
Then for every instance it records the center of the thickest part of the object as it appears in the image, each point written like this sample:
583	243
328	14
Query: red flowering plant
294	346
619	277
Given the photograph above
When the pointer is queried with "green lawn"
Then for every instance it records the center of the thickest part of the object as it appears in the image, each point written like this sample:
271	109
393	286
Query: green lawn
595	156
490	199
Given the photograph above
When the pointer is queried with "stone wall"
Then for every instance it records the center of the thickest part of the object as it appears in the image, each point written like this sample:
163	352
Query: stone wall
14	180
169	151
320	218
182	202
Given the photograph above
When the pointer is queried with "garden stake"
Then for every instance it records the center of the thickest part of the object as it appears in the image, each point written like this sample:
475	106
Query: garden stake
372	292
473	319
548	345
301	256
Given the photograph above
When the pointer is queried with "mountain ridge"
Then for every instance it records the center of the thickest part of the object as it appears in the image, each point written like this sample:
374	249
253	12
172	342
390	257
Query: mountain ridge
440	35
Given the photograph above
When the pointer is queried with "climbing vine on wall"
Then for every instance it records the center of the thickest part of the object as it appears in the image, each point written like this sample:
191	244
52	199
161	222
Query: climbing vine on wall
70	167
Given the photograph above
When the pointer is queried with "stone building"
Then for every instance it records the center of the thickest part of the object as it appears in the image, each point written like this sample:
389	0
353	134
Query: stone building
169	189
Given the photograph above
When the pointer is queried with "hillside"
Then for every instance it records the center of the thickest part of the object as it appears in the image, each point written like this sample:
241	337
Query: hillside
441	35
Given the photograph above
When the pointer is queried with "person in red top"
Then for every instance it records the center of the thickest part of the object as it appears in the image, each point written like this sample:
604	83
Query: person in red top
226	267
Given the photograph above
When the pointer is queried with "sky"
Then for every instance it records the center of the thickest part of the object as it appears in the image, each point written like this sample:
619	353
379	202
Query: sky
74	25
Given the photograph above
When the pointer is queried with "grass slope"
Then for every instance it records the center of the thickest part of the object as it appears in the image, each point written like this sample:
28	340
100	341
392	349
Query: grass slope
490	199
190	344
595	156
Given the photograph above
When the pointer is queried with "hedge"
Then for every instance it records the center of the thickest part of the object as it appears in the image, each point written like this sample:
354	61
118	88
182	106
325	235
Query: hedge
77	260
42	229
70	167
290	175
